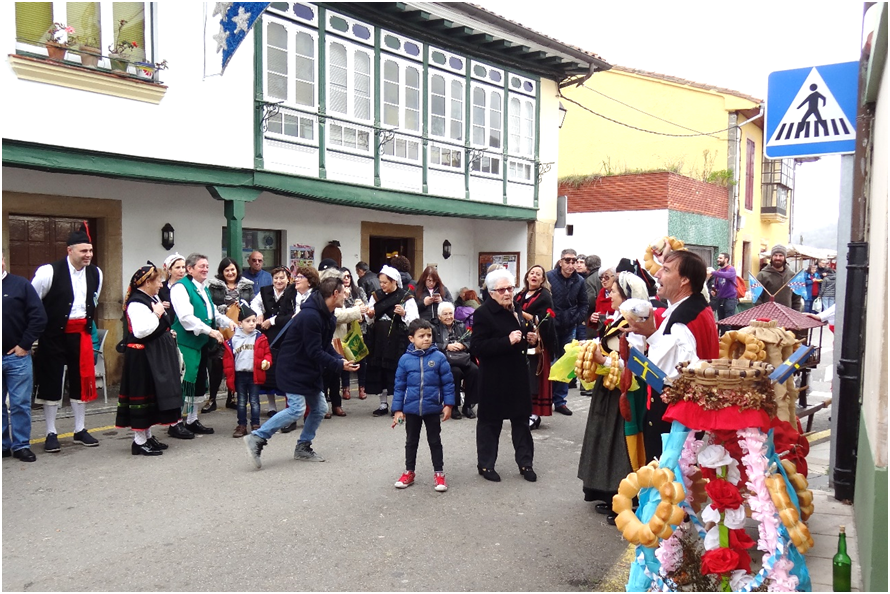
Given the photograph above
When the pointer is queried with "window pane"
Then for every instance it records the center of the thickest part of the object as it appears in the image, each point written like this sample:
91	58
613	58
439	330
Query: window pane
496	166
478	135
305	94
338	78
390	115
479	116
437	85
434	154
413	151
364	140
32	20
412	120
437	126
336	134
437	105
412	98
134	29
275	124
478	97
457	89
363	108
494	139
291	125
276	36
84	17
391	71
455	158
307	129
401	148
457	130
391	92
412	77
305	44
304	68
349	137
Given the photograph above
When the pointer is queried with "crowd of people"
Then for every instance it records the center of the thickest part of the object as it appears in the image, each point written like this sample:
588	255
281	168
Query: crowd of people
431	357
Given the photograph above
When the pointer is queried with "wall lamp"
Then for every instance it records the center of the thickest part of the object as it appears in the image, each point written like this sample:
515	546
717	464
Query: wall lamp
167	236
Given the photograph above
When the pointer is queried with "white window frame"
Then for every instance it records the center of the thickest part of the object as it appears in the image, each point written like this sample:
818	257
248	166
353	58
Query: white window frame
453	144
493	154
521	127
406	140
521	170
107	28
305	115
350	125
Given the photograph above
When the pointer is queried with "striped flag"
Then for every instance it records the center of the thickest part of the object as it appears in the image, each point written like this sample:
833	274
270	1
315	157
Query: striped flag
798	284
755	287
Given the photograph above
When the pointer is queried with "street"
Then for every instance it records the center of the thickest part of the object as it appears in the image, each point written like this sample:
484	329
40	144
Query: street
201	518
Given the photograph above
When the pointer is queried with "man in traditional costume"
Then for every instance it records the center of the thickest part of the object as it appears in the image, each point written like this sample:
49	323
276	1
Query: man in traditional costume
69	289
196	329
687	332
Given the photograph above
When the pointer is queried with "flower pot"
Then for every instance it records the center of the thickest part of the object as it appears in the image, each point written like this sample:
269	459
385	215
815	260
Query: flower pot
145	70
89	56
118	65
56	52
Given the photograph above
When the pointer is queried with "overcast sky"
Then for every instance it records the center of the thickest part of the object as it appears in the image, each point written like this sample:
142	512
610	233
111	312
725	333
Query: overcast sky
728	44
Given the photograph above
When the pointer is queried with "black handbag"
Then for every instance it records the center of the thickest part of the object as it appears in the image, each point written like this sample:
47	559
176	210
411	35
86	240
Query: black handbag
458	358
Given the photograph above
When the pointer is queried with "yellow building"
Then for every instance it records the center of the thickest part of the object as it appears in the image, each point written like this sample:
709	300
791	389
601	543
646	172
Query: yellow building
625	121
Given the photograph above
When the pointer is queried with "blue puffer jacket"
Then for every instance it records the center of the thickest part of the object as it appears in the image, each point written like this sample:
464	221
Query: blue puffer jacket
424	383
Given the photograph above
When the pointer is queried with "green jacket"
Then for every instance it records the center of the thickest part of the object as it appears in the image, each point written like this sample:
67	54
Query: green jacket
185	337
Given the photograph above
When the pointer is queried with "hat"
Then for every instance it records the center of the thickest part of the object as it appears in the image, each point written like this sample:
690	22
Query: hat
779	249
327	263
245	311
140	276
171	259
82	235
632	285
392	273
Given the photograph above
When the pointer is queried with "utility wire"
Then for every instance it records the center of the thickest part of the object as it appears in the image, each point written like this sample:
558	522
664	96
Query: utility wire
592	90
614	121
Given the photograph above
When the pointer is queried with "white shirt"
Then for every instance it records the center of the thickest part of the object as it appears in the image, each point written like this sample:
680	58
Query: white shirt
143	320
182	305
43	281
300	299
410	306
666	351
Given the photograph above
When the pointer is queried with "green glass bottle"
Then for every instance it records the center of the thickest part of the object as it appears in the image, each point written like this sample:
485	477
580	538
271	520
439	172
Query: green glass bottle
842	565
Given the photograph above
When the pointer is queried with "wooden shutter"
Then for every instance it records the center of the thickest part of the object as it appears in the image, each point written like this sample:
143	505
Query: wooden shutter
749	176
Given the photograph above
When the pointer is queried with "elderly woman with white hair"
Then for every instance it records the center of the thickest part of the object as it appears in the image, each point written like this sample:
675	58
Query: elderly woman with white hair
390	310
453	339
500	341
613	445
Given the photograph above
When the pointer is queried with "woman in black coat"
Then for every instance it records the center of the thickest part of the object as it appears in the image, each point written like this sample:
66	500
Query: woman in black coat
500	341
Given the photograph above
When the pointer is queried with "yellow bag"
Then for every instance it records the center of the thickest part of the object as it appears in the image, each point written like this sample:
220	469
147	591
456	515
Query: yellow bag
563	369
354	348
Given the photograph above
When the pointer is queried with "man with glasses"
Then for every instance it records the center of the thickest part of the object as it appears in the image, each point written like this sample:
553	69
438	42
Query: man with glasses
256	274
570	304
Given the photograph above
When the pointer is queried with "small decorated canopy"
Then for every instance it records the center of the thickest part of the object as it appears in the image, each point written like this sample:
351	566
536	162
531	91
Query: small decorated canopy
786	317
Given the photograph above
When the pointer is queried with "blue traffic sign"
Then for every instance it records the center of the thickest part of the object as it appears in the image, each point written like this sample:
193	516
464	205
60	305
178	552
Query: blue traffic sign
811	112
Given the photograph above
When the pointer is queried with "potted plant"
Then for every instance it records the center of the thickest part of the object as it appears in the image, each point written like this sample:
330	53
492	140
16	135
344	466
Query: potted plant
148	70
88	48
120	52
57	39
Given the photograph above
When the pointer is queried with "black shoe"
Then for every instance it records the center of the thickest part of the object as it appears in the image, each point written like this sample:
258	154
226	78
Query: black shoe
271	413
468	412
209	407
144	450
587	392
610	519
563	410
603	508
455	414
7	453
534	423
197	427
489	474
289	428
230	402
157	445
52	443
381	411
178	431
529	473
24	454
573	384
85	439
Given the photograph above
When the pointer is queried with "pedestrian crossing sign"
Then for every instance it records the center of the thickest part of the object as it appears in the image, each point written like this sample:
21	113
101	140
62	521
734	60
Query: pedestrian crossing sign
811	112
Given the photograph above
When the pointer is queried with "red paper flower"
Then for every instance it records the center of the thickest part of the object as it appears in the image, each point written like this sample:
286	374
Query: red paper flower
719	560
551	313
744	559
739	539
723	495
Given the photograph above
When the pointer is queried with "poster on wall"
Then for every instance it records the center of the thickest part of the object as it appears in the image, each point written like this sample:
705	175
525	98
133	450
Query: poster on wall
508	260
300	255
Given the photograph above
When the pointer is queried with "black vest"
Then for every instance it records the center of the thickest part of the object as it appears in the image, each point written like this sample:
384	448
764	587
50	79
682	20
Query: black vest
60	297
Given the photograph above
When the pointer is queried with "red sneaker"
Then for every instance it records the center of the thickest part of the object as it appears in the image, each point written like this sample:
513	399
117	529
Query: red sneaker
406	480
441	485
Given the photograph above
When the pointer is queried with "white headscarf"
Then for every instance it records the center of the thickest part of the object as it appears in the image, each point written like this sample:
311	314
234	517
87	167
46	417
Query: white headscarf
392	273
632	286
171	259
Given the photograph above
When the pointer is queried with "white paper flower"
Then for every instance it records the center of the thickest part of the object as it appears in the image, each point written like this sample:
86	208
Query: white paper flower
738	579
732	473
712	538
714	456
709	514
734	518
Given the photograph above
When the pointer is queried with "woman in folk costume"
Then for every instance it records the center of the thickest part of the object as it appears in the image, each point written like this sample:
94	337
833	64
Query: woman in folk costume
275	304
536	305
390	310
150	391
174	271
612	446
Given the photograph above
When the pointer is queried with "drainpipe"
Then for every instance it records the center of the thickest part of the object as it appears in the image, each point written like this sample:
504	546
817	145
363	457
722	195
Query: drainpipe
733	163
849	369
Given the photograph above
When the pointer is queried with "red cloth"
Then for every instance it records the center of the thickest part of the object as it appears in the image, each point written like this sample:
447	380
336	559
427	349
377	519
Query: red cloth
261	352
788	439
704	329
604	303
695	417
86	363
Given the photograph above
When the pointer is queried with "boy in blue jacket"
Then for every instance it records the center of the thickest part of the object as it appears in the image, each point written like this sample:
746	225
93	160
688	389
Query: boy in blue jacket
423	385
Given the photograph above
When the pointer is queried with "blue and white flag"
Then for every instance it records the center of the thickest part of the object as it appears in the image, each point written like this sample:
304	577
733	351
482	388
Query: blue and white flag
640	365
226	25
755	287
798	284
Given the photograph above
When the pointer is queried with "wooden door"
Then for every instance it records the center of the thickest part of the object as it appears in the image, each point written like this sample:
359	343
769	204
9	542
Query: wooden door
35	240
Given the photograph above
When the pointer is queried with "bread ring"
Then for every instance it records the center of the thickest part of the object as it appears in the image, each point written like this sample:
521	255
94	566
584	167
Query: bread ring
624	518
621	503
667	513
644	476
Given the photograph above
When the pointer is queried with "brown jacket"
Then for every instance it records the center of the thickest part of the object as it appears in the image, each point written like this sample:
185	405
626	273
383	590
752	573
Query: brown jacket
772	280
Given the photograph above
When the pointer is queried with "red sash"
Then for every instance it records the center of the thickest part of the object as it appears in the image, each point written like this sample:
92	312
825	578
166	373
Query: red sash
87	366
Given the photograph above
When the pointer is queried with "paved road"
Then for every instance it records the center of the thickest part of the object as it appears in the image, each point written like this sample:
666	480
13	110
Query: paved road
201	518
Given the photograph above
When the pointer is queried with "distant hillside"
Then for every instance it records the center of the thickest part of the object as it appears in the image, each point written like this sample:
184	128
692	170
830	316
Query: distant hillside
820	237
